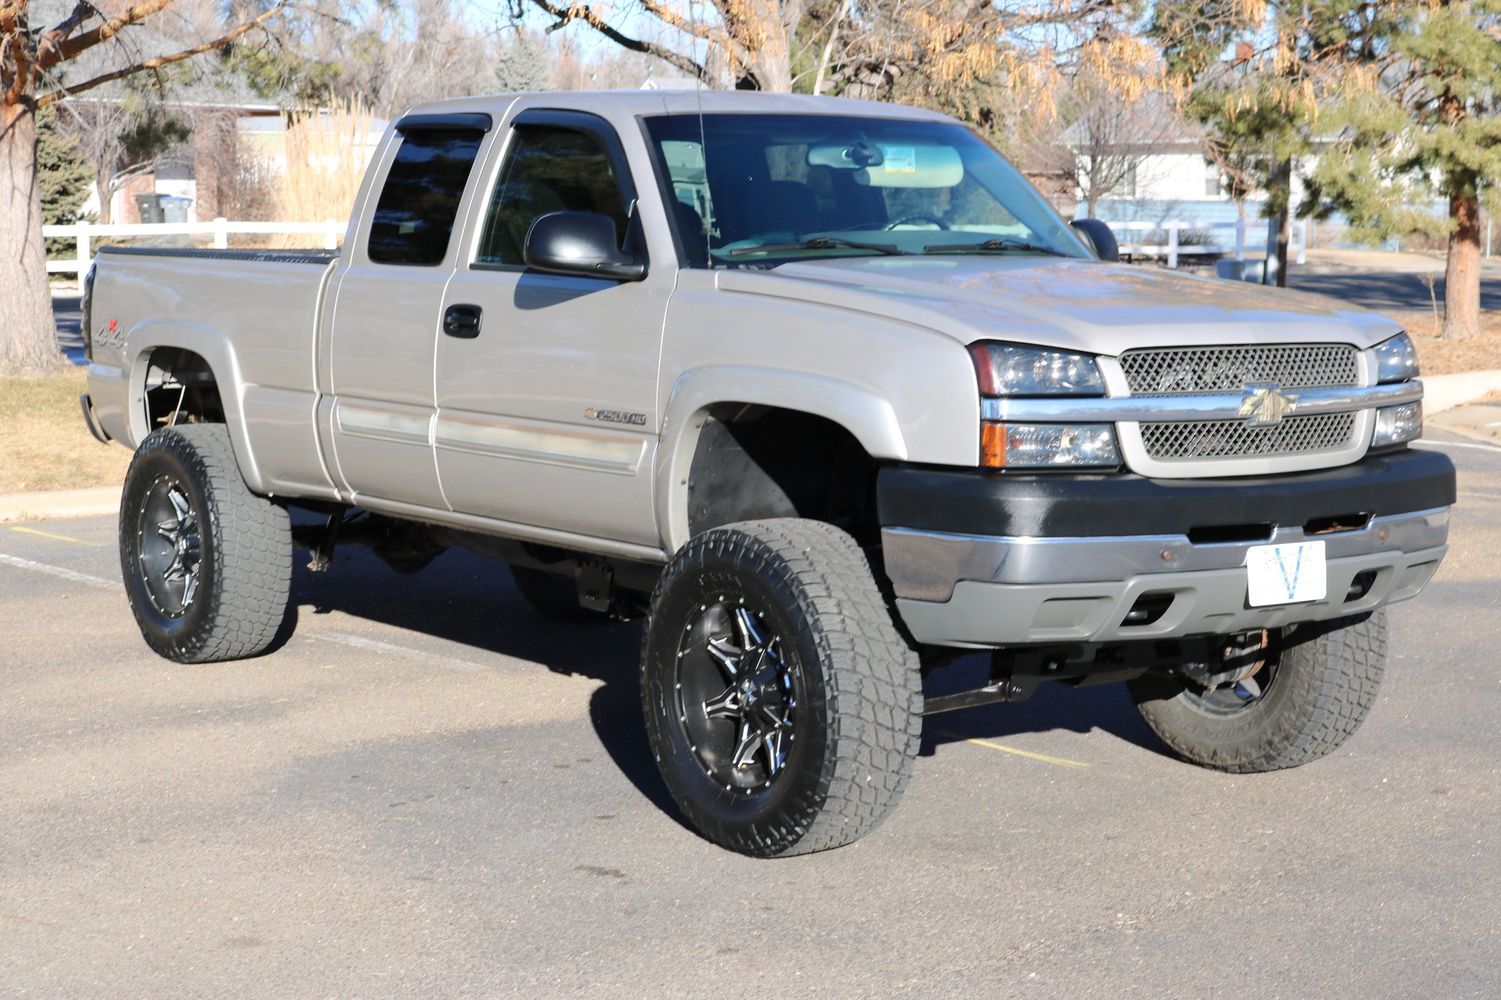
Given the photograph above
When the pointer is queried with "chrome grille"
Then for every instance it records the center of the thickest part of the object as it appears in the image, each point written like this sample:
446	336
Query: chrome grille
1237	439
1179	371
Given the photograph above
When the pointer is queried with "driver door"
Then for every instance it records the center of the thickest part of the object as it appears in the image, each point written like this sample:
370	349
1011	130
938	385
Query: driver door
547	412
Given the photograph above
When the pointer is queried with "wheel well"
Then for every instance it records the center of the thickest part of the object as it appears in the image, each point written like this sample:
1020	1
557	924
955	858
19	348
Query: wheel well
755	461
181	388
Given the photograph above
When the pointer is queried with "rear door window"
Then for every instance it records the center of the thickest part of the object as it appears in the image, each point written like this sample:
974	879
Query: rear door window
415	215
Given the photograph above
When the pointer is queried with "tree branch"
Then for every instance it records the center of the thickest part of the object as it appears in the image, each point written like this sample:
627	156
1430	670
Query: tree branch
60	45
583	12
158	62
47	48
13	38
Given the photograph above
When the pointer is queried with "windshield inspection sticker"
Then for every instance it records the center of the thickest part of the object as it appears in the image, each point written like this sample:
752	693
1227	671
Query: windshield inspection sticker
899	159
1286	574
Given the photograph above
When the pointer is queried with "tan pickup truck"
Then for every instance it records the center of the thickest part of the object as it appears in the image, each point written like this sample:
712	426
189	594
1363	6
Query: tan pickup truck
825	390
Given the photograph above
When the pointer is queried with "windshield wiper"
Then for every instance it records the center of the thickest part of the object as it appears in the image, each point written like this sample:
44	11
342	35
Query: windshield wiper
995	246
819	243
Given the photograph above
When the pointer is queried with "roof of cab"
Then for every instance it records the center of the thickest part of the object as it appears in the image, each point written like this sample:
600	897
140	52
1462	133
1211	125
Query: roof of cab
624	104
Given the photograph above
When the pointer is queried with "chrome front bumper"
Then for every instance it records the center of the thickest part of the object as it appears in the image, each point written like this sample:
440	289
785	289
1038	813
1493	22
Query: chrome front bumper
987	590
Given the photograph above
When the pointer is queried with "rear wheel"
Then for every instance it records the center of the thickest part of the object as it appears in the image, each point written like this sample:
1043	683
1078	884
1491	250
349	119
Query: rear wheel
1302	699
781	704
207	564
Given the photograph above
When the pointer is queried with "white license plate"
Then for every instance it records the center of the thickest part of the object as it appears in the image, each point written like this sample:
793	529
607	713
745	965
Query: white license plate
1286	574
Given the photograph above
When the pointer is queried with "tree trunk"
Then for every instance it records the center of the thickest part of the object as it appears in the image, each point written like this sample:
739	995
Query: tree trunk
28	338
1462	273
102	178
1092	204
1279	199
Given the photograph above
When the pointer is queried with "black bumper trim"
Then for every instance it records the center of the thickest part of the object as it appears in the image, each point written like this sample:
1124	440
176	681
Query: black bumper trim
1044	506
91	419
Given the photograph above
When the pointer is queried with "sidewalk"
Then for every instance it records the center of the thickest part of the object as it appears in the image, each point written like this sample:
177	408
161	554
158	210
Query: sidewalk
1331	259
48	504
1477	420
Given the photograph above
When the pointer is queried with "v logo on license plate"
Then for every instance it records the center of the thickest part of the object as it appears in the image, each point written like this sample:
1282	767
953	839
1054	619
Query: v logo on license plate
1290	584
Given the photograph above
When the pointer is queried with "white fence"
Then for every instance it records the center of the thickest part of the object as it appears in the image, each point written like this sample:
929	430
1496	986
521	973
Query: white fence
1224	239
218	232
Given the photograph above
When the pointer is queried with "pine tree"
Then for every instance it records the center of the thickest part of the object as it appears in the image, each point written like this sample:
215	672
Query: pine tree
522	64
1421	122
62	177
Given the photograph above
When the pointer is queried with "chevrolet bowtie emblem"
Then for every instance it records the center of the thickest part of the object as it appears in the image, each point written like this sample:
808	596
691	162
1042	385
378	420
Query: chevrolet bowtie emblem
1265	404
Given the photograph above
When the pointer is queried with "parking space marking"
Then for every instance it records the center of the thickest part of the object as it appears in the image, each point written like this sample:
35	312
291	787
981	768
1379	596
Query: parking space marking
58	571
54	536
376	646
1030	755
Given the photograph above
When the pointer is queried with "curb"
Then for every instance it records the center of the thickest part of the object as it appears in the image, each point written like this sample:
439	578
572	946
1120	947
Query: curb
49	504
1445	392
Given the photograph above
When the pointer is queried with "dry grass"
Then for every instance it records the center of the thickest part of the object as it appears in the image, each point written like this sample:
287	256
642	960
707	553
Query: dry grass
1445	357
44	444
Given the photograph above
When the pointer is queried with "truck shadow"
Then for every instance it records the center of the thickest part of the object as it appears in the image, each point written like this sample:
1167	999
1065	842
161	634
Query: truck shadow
1053	707
473	601
466	599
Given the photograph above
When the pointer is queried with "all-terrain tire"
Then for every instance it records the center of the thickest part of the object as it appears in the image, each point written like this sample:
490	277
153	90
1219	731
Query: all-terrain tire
856	722
244	549
1326	679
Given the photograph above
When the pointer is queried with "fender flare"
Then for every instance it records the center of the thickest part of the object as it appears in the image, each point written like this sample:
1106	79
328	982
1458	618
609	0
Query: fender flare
216	350
869	418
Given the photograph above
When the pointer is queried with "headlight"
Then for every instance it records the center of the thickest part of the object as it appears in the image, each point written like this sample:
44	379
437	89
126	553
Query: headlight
1396	424
1014	370
1048	446
1396	359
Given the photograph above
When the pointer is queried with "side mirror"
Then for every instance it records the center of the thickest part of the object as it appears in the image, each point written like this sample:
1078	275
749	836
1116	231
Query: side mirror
1099	237
581	243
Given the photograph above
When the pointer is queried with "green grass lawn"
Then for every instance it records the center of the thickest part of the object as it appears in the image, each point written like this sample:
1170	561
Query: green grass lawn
44	444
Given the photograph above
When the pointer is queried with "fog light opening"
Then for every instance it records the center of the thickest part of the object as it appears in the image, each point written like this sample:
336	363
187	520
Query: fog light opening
1148	610
1361	585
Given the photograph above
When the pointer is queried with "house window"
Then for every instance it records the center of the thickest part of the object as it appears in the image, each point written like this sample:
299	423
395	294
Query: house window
1211	180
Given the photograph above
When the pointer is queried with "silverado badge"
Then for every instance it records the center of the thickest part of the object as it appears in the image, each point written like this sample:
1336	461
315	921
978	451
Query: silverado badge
1265	404
616	416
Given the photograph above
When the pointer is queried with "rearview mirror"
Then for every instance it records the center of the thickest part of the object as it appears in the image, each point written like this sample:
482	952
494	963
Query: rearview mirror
1099	238
582	243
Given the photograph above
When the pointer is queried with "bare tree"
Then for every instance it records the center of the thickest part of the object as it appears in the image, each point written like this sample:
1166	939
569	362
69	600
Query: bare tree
32	59
857	47
1113	137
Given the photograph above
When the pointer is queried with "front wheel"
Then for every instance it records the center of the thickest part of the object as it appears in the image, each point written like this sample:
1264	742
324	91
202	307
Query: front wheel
1306	695
780	702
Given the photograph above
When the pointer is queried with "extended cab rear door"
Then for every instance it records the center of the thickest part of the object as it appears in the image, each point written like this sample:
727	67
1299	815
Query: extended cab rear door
547	388
386	310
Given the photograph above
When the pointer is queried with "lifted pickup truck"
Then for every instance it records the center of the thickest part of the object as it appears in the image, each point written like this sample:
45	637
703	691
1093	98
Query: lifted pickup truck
823	388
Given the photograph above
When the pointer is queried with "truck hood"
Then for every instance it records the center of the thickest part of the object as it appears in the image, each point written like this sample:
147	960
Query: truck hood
1082	305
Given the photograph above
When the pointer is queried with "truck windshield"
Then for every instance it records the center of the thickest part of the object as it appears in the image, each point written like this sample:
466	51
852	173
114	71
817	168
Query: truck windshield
760	190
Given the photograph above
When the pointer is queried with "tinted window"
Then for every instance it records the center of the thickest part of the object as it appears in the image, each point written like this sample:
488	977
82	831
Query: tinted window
548	169
415	214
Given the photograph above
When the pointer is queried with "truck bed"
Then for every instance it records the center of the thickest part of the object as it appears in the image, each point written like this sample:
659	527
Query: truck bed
252	315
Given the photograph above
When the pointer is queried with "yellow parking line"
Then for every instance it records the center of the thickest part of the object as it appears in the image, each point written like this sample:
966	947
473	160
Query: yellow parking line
1044	758
55	537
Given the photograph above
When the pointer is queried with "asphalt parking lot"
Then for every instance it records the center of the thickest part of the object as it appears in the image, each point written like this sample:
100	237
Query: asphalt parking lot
431	792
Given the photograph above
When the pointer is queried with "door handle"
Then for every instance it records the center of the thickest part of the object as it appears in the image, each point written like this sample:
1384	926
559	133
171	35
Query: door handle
462	321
